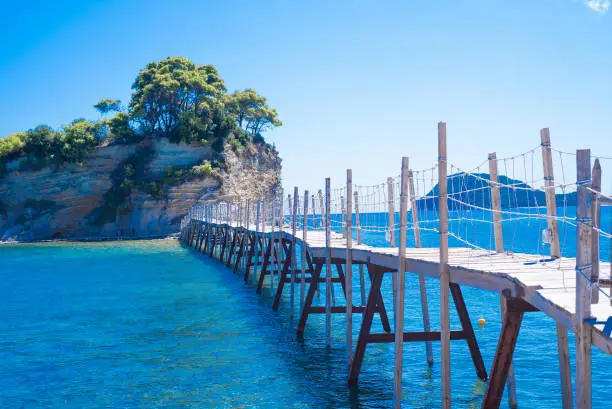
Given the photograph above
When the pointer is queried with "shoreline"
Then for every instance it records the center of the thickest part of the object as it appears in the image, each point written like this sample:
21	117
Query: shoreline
101	239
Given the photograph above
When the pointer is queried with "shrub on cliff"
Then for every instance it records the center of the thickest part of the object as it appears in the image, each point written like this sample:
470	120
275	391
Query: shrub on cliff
76	141
12	145
121	130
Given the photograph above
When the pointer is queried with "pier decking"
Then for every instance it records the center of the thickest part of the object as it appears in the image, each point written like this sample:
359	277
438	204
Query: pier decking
573	291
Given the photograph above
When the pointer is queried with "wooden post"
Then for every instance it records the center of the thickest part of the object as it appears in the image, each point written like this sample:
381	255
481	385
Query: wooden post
257	238
391	212
361	270
303	261
279	246
328	272
555	252
391	233
583	280
348	276
343	212
293	251
444	273
595	210
551	201
314	213
263	244
322	209
499	248
399	307
496	204
246	232
422	287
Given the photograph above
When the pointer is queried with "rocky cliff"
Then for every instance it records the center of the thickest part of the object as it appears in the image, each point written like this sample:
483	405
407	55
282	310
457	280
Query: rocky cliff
80	201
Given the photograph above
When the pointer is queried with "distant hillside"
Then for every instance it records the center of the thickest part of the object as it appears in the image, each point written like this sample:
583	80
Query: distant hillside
474	189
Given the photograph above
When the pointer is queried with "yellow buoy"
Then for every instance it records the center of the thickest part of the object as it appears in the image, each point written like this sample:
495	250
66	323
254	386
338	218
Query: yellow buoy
481	321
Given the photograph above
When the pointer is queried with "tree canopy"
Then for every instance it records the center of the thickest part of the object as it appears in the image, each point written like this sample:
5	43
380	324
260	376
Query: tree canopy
172	90
106	105
251	111
173	98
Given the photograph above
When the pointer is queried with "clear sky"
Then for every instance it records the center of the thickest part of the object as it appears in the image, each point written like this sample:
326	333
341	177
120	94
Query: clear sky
357	83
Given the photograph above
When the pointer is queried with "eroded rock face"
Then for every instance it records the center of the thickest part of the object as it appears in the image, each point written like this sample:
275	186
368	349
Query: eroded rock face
58	203
253	175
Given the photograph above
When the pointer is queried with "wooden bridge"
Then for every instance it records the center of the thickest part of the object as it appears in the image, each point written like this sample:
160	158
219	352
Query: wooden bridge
255	240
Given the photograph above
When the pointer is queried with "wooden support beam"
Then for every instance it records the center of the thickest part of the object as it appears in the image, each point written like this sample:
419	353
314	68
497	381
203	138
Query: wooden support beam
444	272
264	267
279	240
422	288
256	243
328	271
503	356
555	252
400	288
468	330
499	248
349	266
286	269
391	238
376	275
595	215
358	227
304	250
293	246
549	190
315	276
584	236
343	220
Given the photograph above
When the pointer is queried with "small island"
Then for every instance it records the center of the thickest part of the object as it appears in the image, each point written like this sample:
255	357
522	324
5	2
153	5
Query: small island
134	171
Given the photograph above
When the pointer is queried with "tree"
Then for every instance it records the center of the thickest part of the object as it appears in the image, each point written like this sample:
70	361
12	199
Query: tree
120	128
107	105
164	91
77	140
251	111
41	141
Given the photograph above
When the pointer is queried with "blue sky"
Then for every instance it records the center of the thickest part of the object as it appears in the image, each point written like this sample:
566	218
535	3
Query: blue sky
357	83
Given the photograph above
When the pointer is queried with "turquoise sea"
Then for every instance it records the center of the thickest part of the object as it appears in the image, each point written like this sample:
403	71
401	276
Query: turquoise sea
153	324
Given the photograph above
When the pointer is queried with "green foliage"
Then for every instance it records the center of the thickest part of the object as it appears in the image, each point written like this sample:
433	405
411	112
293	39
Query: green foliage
258	139
251	111
153	189
77	140
165	90
190	128
120	129
41	141
204	170
12	145
106	105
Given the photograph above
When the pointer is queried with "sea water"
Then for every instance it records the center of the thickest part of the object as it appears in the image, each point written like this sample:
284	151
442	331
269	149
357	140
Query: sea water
153	324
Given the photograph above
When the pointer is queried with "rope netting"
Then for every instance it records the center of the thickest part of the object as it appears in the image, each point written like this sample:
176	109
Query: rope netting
534	203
